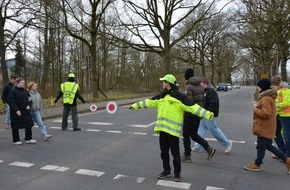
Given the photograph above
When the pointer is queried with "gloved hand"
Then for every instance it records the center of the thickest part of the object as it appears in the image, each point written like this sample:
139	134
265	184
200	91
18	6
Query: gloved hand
83	101
131	108
55	101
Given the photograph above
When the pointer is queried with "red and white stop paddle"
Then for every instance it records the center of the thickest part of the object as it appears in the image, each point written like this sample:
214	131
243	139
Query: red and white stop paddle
93	107
111	107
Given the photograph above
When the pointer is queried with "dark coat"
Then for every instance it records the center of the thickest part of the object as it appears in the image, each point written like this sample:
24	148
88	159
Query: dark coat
19	99
194	91
6	91
211	101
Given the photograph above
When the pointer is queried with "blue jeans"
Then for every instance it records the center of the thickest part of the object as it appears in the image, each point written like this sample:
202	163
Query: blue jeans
264	144
37	118
285	122
7	119
211	126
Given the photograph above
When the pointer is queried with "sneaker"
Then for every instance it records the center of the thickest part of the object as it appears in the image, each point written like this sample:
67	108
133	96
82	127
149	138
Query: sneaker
288	165
229	148
210	152
17	143
193	149
252	167
186	159
177	178
47	137
164	175
6	126
77	129
31	141
64	129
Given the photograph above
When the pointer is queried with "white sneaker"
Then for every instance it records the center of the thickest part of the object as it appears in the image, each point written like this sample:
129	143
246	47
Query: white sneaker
47	137
17	143
229	148
193	149
31	141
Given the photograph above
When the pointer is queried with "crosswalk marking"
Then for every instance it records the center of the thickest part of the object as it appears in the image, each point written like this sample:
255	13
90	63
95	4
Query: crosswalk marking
93	130
137	179
49	167
214	188
138	133
55	127
98	123
21	164
90	172
114	131
1	161
180	185
61	169
213	139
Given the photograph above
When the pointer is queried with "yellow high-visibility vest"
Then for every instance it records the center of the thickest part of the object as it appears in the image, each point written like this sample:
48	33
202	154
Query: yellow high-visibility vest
170	113
283	102
69	90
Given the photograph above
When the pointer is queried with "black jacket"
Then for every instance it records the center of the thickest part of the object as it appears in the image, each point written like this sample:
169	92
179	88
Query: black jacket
211	101
19	99
6	91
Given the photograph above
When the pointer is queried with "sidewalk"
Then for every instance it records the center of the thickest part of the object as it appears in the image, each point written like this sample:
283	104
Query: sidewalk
57	111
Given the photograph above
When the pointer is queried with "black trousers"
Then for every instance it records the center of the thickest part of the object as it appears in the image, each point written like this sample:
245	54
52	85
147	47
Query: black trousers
190	128
166	142
15	134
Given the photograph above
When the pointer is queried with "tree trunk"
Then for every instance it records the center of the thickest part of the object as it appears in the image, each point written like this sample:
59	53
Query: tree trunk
2	52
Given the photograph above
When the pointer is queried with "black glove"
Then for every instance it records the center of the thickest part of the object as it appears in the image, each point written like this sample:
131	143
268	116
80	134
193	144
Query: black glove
131	108
83	101
55	101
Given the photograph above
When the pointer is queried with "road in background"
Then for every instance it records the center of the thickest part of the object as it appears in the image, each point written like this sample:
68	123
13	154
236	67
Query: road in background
120	151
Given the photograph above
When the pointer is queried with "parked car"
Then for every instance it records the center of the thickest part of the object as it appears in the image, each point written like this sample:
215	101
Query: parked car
237	86
229	85
222	87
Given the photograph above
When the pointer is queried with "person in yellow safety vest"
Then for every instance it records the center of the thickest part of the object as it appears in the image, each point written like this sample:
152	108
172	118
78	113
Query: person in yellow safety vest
283	116
169	122
69	90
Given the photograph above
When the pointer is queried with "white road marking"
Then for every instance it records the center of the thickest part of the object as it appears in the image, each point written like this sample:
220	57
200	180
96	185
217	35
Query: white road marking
89	172
180	185
21	164
213	139
214	188
114	131
98	123
93	130
138	179
138	133
156	135
55	127
1	161
49	167
60	120
139	126
61	169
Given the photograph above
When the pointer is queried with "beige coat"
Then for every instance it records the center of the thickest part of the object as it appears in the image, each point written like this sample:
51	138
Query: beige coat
264	124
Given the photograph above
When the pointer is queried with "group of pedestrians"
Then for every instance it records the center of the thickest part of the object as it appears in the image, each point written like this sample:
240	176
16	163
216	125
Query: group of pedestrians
185	112
23	107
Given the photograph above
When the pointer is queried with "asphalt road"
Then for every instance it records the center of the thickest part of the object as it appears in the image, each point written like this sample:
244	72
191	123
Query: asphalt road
121	152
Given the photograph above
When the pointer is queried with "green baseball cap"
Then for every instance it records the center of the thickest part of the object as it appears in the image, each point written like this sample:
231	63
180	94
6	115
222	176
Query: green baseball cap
71	75
168	78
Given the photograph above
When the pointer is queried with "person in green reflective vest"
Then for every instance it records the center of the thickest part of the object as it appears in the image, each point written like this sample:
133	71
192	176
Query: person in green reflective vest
169	122
69	90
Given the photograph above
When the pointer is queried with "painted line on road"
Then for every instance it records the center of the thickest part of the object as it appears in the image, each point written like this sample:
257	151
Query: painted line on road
137	179
156	135
93	130
55	127
61	169
89	172
214	188
98	123
138	133
180	185
49	167
21	164
114	131
142	126
1	161
213	139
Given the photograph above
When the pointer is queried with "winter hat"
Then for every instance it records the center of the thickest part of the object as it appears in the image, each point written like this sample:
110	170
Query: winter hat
188	73
264	84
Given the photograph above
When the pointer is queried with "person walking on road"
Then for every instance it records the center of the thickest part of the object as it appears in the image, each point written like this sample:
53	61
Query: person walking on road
283	116
36	109
5	94
264	126
195	92
211	104
20	104
70	92
169	121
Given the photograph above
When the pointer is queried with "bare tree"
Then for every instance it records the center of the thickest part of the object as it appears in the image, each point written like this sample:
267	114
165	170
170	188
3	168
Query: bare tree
152	24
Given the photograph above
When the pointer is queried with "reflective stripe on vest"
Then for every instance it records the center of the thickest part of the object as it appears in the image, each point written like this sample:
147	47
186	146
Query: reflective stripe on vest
169	126
69	90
